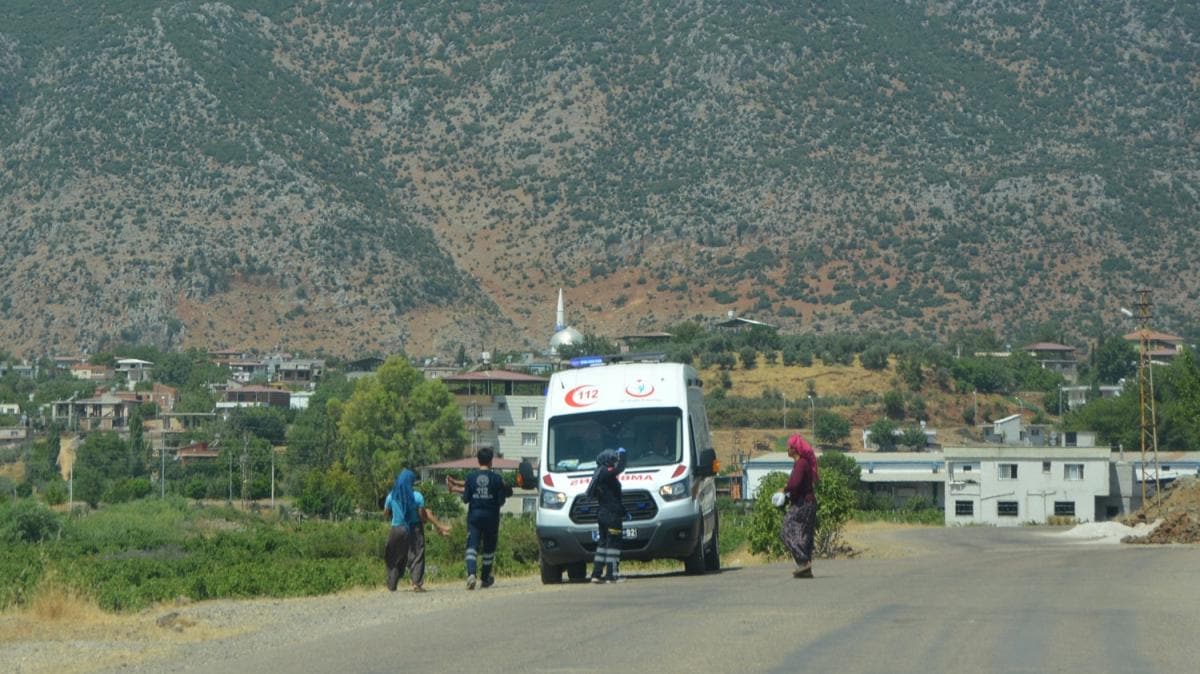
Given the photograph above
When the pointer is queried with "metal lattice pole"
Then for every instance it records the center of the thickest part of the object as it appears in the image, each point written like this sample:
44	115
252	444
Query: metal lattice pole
1146	407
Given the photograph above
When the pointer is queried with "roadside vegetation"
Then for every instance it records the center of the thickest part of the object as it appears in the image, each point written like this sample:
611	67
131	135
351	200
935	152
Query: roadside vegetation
126	537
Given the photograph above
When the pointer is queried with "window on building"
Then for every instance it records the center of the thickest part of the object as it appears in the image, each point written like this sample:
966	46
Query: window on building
1064	508
1008	471
528	413
1073	471
964	508
529	439
1006	508
500	430
1045	466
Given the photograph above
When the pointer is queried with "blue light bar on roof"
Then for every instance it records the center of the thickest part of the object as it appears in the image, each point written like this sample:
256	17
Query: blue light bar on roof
587	361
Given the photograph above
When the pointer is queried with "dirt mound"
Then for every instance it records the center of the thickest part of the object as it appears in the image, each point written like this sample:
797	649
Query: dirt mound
1179	510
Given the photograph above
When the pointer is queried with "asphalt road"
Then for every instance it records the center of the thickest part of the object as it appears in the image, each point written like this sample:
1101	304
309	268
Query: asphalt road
969	600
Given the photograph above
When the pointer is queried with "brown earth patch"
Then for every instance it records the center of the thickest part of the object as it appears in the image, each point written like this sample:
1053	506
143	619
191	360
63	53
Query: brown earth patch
1179	509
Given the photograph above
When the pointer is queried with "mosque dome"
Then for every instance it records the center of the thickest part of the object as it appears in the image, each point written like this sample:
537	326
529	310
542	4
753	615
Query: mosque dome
568	336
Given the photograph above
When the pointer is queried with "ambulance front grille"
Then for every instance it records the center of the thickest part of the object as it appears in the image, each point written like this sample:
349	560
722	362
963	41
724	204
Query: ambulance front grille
639	505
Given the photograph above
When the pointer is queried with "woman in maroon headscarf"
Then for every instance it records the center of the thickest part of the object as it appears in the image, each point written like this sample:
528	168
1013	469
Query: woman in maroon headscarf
800	522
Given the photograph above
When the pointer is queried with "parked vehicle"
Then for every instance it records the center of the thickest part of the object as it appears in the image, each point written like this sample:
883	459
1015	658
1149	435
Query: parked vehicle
656	412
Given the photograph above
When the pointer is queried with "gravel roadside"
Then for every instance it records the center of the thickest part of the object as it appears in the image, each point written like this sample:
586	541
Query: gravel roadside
166	637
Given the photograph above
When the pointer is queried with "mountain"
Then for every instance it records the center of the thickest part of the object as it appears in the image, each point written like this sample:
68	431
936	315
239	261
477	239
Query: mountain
379	175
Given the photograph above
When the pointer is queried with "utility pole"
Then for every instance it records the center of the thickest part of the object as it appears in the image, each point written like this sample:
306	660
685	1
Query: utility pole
245	491
1149	420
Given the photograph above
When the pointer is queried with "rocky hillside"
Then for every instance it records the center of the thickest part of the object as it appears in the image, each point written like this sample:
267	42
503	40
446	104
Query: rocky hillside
378	175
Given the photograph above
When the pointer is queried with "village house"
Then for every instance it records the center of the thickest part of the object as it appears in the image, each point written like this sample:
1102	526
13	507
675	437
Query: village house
502	411
1163	347
243	370
13	435
134	370
164	397
1058	358
253	396
104	411
90	372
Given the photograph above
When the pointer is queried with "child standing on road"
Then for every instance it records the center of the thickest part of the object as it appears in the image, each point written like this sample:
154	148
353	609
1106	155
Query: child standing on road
606	489
484	492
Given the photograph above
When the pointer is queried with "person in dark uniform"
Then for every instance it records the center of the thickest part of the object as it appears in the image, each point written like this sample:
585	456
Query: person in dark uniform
484	492
605	487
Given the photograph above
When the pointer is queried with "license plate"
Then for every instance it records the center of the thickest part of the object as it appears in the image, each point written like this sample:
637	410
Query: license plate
627	534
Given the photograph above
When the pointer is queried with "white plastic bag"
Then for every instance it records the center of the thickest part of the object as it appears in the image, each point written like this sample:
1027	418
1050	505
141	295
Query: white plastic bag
778	499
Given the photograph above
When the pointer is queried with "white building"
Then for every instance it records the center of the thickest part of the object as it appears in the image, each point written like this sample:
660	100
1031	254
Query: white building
134	369
902	476
502	410
1016	485
999	486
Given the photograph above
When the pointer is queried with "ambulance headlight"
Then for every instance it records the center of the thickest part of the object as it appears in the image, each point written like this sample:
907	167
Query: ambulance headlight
675	490
553	500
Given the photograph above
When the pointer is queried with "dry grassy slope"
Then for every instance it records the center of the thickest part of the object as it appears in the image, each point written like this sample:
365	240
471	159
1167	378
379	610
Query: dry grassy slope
998	165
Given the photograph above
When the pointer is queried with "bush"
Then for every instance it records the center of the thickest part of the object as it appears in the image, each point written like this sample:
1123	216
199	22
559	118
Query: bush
28	521
55	493
835	505
766	520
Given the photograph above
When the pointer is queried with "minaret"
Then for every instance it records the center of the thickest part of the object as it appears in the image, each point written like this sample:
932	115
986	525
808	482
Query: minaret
560	317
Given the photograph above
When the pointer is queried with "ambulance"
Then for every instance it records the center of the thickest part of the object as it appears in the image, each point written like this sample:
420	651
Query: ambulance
655	411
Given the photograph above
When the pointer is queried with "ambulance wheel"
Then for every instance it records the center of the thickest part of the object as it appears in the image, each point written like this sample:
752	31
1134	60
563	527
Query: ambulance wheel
712	556
577	571
694	563
551	573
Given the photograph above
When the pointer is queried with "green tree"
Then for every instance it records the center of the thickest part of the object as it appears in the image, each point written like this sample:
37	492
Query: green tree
910	370
874	358
912	437
766	520
893	404
312	438
841	462
882	434
102	459
835	506
394	419
1115	359
139	453
749	357
831	428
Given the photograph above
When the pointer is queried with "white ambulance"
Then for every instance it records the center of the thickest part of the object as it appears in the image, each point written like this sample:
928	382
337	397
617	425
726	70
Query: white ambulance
656	412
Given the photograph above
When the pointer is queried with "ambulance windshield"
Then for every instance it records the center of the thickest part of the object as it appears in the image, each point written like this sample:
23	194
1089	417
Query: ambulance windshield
651	437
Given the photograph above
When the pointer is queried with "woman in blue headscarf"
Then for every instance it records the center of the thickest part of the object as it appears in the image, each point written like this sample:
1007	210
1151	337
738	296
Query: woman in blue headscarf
406	540
401	506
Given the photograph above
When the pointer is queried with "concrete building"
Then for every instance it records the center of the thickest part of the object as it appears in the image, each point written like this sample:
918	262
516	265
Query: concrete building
502	410
900	476
134	370
1016	485
254	396
1002	486
1077	396
1058	358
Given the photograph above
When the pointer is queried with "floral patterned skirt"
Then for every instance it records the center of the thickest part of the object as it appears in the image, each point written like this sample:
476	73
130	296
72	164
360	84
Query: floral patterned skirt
799	528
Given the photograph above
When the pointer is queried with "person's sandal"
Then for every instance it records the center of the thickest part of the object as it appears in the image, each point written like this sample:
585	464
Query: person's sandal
418	588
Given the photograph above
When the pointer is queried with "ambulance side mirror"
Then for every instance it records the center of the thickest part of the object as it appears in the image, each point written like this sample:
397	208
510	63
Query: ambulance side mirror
707	466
